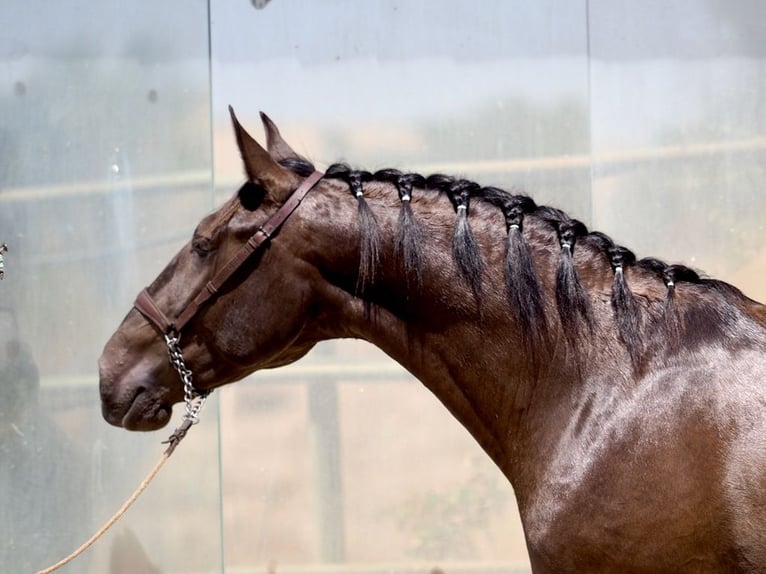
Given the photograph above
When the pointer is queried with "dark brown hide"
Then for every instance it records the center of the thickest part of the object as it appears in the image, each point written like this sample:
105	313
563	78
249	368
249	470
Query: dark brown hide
633	432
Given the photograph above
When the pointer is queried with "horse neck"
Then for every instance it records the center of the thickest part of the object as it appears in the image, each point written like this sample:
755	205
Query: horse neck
465	346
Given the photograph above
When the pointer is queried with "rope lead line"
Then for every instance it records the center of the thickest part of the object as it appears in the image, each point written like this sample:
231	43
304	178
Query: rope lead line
194	400
117	515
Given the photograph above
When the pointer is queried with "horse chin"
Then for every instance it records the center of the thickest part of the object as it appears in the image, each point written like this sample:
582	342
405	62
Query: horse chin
145	413
150	419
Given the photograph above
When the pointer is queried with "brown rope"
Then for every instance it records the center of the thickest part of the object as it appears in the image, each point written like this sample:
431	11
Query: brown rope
117	515
173	441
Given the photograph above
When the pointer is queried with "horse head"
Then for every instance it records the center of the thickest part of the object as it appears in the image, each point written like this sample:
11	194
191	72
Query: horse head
256	320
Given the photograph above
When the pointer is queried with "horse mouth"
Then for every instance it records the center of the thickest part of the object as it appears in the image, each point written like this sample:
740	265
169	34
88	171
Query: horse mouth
144	413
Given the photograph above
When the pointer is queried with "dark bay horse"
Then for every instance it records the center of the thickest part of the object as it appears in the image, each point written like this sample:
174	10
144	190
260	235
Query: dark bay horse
624	399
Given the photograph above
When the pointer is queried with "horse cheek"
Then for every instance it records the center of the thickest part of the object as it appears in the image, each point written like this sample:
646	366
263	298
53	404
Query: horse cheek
258	332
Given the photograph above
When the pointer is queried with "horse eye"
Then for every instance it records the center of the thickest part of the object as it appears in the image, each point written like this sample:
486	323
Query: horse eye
202	246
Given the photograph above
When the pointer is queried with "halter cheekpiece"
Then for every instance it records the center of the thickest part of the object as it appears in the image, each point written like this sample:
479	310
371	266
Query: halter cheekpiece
171	328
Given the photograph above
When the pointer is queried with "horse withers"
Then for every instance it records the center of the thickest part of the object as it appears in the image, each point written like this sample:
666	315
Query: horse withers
624	399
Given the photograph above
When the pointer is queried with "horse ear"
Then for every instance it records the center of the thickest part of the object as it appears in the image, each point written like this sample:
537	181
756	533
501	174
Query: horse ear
277	146
260	167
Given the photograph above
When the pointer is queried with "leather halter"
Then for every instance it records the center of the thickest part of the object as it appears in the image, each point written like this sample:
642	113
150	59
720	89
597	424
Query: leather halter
149	308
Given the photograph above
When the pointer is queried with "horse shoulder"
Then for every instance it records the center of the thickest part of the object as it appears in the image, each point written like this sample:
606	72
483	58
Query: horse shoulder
675	467
745	457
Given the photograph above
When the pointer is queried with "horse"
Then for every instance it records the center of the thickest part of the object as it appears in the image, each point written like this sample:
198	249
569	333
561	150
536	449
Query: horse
623	399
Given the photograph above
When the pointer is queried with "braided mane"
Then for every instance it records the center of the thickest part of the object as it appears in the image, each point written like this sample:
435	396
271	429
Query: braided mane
699	322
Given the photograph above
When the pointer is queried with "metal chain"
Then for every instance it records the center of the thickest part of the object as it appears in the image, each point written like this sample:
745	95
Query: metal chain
193	398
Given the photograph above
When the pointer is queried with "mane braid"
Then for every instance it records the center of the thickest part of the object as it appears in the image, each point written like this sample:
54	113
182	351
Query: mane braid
464	247
627	313
672	275
369	249
700	320
626	310
410	234
369	236
571	299
523	290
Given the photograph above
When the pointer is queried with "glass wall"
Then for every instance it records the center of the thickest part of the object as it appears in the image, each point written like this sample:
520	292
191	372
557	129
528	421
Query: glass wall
106	165
645	122
679	118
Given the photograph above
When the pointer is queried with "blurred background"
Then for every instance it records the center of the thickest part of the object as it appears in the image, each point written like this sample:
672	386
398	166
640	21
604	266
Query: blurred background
645	120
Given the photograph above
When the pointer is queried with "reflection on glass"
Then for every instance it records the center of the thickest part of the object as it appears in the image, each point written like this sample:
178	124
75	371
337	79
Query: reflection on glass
105	147
47	505
679	132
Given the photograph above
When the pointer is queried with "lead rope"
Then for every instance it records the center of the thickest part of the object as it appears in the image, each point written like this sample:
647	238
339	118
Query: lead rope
194	401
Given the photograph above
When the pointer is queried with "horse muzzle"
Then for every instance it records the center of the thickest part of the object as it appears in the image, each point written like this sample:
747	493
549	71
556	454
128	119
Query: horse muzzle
132	398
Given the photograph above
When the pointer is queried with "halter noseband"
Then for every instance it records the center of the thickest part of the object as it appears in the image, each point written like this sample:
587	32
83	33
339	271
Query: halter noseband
171	328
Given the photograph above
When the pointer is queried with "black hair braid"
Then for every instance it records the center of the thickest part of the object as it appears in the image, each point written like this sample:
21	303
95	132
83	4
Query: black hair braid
523	290
571	298
369	236
410	234
464	247
627	313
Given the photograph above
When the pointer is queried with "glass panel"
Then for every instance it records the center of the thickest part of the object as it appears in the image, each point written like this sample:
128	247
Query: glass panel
678	93
343	457
105	171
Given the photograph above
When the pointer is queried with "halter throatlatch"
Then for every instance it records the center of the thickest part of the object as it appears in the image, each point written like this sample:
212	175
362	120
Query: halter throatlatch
171	328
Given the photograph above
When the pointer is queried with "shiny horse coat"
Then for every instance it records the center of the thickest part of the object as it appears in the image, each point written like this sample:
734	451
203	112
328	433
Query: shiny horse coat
624	399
